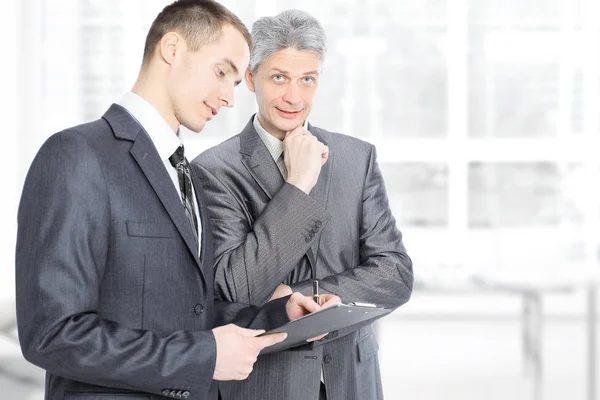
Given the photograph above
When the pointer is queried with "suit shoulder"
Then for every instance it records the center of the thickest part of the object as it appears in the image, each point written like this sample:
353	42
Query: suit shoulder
77	143
72	135
346	142
66	153
86	132
219	154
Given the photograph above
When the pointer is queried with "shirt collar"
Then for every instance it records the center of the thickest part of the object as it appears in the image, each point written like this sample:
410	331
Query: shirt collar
153	123
274	145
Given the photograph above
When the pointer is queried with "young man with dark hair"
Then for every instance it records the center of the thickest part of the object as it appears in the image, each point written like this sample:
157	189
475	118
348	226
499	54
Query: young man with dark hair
114	258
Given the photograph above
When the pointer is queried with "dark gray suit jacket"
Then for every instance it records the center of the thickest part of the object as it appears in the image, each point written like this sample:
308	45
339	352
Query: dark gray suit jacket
113	299
263	229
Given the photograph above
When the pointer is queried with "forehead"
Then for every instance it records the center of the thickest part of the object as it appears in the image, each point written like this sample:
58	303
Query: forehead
231	46
290	59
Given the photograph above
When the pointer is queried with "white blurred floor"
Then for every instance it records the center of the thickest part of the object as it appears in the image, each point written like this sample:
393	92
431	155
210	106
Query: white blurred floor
478	359
460	359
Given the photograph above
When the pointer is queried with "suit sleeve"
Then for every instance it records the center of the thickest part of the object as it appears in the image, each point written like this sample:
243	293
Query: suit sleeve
270	316
251	260
62	248
384	275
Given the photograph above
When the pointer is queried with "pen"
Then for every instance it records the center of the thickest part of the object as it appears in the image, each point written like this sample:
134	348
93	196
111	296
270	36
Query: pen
316	291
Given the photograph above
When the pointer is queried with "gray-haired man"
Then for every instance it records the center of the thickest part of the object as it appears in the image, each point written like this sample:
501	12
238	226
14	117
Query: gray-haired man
286	199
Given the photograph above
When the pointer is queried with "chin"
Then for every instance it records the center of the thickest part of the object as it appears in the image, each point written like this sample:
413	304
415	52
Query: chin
199	126
288	124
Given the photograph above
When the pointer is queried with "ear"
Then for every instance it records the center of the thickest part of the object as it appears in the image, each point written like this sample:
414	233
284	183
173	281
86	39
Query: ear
249	77
170	44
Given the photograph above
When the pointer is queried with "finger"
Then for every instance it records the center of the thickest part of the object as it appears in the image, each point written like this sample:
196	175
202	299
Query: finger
330	296
317	338
290	134
269	340
304	302
297	131
306	132
324	155
250	332
330	301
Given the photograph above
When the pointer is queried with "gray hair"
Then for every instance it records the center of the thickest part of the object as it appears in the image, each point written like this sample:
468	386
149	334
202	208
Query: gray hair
290	28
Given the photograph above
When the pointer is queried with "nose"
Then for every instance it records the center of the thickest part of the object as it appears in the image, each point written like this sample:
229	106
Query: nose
292	94
227	96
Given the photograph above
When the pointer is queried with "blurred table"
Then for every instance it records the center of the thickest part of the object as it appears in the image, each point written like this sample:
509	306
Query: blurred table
532	286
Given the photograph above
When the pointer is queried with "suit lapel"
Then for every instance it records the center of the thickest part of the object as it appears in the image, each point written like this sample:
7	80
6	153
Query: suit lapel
206	238
257	159
206	249
145	154
147	157
261	166
321	190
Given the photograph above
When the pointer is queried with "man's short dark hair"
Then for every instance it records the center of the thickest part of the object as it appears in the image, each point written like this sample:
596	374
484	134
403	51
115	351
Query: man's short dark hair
200	22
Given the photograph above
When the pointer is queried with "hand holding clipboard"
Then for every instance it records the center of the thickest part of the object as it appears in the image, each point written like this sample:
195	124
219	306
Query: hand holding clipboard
327	319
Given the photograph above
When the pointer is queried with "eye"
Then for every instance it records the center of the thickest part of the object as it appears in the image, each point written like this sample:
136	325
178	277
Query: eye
220	73
278	78
308	79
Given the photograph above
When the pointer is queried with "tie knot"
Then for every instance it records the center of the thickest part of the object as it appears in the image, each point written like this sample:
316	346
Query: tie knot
177	157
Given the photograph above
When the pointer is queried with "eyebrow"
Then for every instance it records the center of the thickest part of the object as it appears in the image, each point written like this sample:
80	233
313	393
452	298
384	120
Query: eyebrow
231	64
234	68
284	72
281	71
315	72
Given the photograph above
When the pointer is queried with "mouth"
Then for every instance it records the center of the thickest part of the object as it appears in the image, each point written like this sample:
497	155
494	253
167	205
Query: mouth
212	110
288	114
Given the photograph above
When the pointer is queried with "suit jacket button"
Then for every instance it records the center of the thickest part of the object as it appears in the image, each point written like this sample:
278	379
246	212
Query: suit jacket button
198	309
318	224
307	239
327	359
186	394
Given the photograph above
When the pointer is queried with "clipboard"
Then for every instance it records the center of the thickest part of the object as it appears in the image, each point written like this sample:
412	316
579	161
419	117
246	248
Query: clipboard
328	319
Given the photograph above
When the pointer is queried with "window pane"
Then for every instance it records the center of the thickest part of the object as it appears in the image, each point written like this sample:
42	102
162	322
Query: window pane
418	193
513	92
525	61
525	194
413	77
413	82
527	11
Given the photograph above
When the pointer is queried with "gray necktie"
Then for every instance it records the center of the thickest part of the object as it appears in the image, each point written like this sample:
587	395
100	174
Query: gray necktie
281	166
179	161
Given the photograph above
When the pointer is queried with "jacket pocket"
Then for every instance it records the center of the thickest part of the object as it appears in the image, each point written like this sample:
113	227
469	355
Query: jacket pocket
367	347
150	229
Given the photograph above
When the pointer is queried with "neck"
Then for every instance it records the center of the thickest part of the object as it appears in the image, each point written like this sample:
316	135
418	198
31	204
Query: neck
150	86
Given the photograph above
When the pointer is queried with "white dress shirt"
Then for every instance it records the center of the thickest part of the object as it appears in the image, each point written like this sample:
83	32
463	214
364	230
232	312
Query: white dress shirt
163	138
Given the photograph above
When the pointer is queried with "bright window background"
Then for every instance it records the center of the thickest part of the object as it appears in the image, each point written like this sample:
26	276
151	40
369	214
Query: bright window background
485	114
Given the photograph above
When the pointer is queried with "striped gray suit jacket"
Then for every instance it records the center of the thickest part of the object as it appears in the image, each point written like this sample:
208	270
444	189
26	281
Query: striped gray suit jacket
262	231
